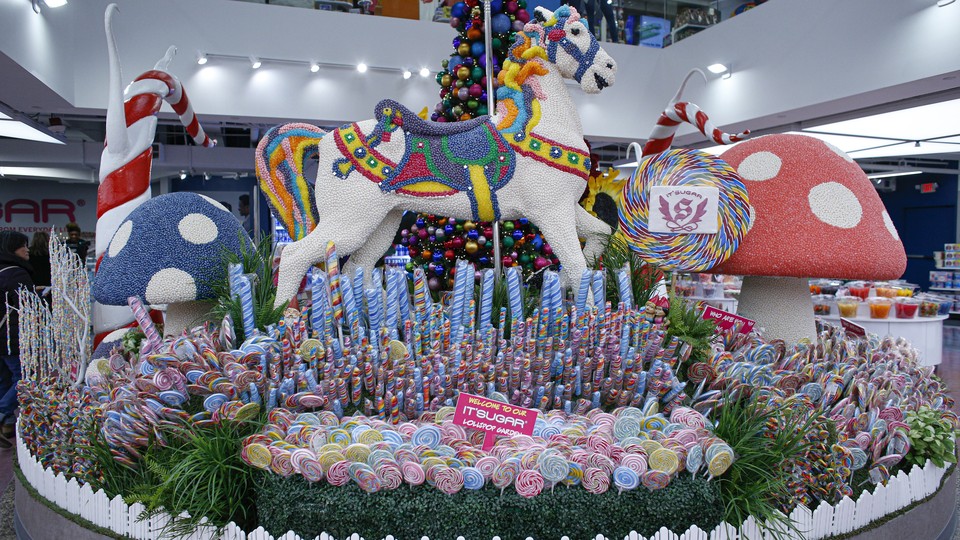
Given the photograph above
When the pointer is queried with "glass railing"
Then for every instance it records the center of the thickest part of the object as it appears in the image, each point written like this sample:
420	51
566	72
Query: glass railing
649	23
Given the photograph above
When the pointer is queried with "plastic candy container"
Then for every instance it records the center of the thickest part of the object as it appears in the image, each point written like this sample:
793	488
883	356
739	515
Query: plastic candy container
929	307
860	289
821	304
907	307
879	307
885	290
848	306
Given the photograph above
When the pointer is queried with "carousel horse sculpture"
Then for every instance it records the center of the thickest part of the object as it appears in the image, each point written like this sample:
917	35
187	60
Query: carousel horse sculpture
528	160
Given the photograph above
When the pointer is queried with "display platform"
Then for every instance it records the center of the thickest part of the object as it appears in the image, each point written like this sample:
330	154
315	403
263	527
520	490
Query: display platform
924	333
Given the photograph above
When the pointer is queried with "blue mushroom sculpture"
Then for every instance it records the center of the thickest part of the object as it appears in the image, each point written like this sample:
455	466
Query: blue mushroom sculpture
170	251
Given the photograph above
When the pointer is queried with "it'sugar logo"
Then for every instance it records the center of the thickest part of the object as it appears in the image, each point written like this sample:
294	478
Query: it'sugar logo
684	210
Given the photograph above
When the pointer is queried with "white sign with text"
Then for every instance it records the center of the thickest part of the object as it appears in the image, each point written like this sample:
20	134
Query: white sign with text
683	209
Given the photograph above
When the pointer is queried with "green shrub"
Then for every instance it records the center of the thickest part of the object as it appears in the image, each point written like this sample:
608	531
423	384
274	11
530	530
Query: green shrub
409	513
931	437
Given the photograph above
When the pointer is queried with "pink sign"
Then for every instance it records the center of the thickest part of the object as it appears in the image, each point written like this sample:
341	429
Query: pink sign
725	320
852	328
495	418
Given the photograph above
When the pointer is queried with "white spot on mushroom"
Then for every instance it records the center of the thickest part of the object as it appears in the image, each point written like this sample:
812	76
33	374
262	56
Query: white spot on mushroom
834	204
120	238
838	151
215	203
759	166
753	217
197	229
171	285
889	224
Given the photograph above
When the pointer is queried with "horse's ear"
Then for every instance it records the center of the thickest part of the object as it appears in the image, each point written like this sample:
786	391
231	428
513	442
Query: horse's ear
542	14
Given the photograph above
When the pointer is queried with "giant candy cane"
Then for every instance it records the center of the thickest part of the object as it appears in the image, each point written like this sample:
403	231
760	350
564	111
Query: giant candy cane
127	155
678	112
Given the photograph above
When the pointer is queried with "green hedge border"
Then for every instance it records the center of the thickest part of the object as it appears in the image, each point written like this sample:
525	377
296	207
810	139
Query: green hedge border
110	534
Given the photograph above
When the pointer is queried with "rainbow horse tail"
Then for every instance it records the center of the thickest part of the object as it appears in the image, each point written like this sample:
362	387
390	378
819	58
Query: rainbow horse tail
281	158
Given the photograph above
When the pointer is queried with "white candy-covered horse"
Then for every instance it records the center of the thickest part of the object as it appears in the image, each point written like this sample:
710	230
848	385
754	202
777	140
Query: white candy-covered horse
528	160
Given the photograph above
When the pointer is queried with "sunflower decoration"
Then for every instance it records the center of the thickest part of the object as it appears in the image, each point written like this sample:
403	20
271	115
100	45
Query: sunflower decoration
603	196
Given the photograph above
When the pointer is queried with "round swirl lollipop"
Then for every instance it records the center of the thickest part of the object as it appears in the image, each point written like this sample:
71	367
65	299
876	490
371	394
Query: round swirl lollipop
636	462
626	427
655	480
506	472
429	436
694	459
529	484
664	460
413	473
575	476
720	463
625	478
553	467
595	480
311	470
472	478
684	249
486	465
448	480
389	473
257	455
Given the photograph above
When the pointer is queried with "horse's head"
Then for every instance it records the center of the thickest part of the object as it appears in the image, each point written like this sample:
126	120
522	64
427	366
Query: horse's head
574	50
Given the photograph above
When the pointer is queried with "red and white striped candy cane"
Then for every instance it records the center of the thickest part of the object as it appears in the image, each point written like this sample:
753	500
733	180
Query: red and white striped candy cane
662	135
127	156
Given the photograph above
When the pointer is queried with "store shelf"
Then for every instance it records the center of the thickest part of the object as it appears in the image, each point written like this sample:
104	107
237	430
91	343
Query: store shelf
946	289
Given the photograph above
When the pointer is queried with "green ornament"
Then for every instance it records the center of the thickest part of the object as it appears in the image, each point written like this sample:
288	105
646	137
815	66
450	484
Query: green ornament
445	63
482	110
458	84
508	242
457	110
477	73
508	226
472	104
496	43
458	228
524	258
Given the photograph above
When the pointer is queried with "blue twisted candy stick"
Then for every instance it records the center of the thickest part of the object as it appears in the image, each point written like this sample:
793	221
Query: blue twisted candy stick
486	299
584	290
623	287
246	306
514	294
599	288
375	311
393	297
319	294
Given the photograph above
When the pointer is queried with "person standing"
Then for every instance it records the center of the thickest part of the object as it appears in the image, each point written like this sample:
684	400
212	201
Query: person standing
15	273
245	216
75	243
40	259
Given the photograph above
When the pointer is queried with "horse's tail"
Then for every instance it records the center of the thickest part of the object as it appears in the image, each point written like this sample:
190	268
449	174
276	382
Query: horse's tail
281	158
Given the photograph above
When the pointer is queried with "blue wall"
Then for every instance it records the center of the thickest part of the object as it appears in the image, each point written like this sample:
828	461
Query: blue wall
925	221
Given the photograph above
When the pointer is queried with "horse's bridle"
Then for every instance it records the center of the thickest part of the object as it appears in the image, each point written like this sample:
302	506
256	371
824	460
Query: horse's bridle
584	58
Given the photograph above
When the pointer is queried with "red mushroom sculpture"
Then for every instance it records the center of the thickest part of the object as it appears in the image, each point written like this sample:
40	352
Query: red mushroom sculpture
815	214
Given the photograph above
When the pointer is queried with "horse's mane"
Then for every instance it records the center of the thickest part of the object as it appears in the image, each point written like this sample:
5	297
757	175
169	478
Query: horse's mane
527	55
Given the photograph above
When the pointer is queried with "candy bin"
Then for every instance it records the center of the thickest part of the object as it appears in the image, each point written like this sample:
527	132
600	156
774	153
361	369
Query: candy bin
821	304
946	305
906	289
885	290
712	290
860	289
815	286
848	306
929	306
830	287
879	307
906	308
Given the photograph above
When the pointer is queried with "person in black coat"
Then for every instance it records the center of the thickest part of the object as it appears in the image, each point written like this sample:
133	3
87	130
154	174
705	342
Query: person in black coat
15	273
40	259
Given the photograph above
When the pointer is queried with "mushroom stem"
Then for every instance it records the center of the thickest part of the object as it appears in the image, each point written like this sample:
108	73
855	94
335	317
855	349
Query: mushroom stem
185	315
780	305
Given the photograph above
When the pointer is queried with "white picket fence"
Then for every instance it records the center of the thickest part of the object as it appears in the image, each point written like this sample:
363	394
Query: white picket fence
848	515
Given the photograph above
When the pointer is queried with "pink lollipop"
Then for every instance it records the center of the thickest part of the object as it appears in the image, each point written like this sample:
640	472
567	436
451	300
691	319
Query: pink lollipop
595	480
529	483
280	461
486	465
636	462
389	473
448	480
412	473
506	472
338	474
311	470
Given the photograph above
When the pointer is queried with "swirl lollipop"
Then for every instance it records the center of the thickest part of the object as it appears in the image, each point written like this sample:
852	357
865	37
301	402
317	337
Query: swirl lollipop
529	483
506	472
413	473
553	467
338	474
472	478
448	480
626	478
690	252
595	480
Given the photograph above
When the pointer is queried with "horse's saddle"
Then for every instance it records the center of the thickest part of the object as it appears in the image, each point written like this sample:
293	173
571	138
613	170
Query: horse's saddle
408	121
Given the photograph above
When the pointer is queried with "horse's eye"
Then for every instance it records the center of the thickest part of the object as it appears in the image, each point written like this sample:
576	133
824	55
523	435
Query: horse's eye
575	31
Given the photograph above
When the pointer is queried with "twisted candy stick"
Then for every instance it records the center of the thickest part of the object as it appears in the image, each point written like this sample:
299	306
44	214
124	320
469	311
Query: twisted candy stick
681	111
126	159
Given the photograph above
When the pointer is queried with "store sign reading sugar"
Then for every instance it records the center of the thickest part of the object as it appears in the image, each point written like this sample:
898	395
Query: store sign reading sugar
495	418
684	209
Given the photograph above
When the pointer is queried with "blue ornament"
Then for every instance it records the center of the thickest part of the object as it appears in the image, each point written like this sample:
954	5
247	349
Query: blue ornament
517	234
523	221
473	234
496	5
455	61
537	242
438	269
421	222
459	10
437	256
456	42
476	49
484	261
501	23
448	229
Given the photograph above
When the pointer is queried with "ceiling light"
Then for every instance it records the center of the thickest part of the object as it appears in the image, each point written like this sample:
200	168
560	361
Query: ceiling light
361	67
54	173
183	175
255	62
717	68
424	72
406	74
206	176
201	58
892	174
941	3
61	3
314	67
20	130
